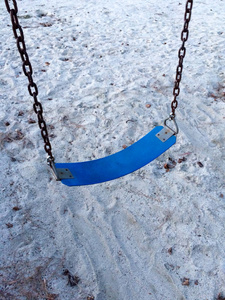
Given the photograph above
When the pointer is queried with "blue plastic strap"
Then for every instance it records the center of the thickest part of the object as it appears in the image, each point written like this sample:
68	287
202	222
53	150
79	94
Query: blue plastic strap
119	164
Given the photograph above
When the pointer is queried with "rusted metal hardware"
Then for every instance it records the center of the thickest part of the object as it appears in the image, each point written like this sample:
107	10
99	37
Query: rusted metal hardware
168	130
172	119
181	55
28	71
165	134
59	173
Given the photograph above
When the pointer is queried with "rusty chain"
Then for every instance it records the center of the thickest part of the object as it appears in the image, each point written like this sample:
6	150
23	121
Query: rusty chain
181	55
28	71
33	89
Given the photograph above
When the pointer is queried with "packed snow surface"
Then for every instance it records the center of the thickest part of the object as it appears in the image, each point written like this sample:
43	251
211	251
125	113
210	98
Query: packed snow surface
105	72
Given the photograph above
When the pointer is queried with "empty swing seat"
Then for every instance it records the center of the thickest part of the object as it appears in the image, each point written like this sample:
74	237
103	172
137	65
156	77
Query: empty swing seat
116	165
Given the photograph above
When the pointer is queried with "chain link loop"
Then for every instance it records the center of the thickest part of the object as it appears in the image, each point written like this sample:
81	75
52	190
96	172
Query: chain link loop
14	5
28	71
181	55
33	89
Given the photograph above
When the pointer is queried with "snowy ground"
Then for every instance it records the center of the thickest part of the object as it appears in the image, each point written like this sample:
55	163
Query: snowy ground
98	64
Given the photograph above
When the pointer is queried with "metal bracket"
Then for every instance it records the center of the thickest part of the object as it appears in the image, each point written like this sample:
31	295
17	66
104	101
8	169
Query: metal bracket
60	173
167	131
165	134
64	173
172	119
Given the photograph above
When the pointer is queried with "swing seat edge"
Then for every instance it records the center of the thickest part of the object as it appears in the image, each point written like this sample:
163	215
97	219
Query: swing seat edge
118	164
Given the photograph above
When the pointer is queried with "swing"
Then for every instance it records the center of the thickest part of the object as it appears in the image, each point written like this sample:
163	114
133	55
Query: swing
152	145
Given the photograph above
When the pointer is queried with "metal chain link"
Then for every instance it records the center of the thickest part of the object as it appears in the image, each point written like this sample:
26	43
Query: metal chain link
181	55
33	89
28	71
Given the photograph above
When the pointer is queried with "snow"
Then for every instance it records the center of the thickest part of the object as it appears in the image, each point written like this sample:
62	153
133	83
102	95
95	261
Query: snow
98	64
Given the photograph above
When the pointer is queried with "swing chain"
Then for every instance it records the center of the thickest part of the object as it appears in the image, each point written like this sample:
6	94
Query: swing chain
33	89
181	55
28	71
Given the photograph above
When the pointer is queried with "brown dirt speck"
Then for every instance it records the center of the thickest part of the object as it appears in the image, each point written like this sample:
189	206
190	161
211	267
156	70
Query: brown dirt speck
186	281
200	164
170	250
9	225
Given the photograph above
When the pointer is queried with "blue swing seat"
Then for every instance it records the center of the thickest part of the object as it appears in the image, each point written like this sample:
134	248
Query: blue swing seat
119	164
